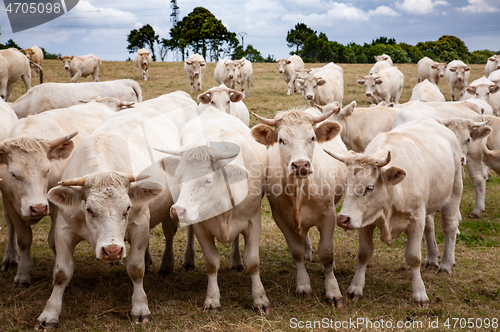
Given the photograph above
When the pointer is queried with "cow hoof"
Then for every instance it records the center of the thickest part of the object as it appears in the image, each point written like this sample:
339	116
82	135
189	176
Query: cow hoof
431	266
338	303
212	308
46	326
263	310
21	285
422	304
308	257
444	269
474	215
163	272
140	318
355	297
305	294
6	266
189	266
238	267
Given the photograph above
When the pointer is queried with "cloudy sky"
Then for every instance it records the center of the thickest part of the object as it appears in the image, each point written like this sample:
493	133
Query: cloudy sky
102	26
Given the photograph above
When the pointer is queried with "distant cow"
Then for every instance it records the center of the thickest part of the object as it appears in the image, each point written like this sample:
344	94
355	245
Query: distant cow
82	66
225	99
323	87
457	73
142	61
484	89
430	70
245	77
35	54
227	72
50	96
386	85
13	65
427	91
492	64
288	69
382	62
195	68
387	190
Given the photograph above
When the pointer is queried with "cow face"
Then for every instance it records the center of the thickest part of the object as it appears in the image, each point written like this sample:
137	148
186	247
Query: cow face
495	60
383	57
370	82
220	98
462	72
66	60
282	64
196	67
203	177
439	68
28	161
366	189
296	133
106	199
483	91
232	69
29	53
310	85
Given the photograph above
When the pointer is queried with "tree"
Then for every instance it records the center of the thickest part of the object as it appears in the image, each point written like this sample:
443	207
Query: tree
10	43
138	39
298	35
163	45
250	53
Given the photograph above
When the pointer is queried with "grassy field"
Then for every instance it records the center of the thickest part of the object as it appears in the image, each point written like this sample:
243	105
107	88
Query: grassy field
99	297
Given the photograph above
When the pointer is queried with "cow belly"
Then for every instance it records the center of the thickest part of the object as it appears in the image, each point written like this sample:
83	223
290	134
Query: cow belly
224	228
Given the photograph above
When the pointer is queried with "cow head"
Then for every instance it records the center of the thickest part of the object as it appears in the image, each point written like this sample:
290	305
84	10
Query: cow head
114	103
496	60
29	53
145	58
466	131
367	183
232	69
220	98
28	161
66	60
196	67
106	199
440	68
282	64
310	85
204	174
383	57
370	82
338	114
483	91
296	133
462	72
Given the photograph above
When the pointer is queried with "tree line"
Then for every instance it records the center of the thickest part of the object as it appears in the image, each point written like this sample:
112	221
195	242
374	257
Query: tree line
11	43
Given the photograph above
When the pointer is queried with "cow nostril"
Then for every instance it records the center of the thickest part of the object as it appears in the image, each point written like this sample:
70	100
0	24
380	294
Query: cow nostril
343	221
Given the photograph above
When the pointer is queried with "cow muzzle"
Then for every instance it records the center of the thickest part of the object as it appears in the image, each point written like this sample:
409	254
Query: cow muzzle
38	210
177	213
281	71
66	67
459	79
441	75
112	253
310	97
343	221
300	168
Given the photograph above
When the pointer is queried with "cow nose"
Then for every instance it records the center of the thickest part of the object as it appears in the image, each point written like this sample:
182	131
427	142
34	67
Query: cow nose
463	161
343	221
368	94
459	79
310	97
66	67
177	212
301	167
230	76
441	75
38	210
112	252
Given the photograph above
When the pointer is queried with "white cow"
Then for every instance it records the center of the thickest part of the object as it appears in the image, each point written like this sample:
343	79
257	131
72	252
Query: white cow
360	125
49	96
486	90
82	66
381	62
220	172
225	99
383	57
143	61
35	154
388	190
288	70
430	70
386	85
35	54
13	65
492	64
305	72
195	68
457	73
245	76
323	87
303	187
495	76
427	91
105	201
227	73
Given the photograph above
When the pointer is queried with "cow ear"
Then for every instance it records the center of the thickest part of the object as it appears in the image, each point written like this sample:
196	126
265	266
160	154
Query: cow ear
236	96
236	173
494	88
264	134
65	195
170	164
471	90
453	69
321	82
327	131
360	82
59	57
61	151
481	132
202	64
145	191
189	63
467	68
378	81
394	175
492	58
348	110
288	62
434	67
205	98
72	57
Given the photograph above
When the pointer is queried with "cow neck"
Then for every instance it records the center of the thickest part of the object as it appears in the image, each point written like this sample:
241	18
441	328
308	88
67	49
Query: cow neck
298	199
223	173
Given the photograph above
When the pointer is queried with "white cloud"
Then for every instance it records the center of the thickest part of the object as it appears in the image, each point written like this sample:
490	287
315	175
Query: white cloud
420	6
383	11
481	6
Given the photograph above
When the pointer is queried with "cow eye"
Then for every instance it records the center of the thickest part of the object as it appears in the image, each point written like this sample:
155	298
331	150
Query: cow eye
468	140
228	101
368	189
313	139
14	176
89	210
281	141
126	213
208	181
47	173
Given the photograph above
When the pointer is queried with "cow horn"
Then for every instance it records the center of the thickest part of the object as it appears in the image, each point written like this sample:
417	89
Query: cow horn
134	178
84	101
126	104
385	161
221	155
176	153
323	117
318	107
336	156
61	140
268	122
479	124
72	182
2	146
492	153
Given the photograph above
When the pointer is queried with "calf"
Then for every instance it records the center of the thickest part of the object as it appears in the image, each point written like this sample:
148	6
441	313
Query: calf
386	85
324	87
143	61
492	64
82	66
430	70
457	73
195	68
288	68
226	100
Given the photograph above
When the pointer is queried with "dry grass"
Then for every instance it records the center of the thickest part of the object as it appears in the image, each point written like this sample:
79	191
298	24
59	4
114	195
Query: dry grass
99	297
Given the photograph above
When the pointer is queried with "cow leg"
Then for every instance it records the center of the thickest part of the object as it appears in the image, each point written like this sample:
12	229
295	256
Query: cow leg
95	74
136	268
188	260
308	248
3	88
212	262
478	176
11	256
63	272
290	85
9	90
325	253
452	92
365	252
53	217
200	78
191	83
27	80
251	258
431	261
168	261
75	77
413	257
236	263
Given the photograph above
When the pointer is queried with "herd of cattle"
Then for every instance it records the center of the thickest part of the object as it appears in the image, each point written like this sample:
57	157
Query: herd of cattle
107	167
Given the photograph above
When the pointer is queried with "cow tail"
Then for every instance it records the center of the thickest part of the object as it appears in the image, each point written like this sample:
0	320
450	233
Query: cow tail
138	92
100	67
41	75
